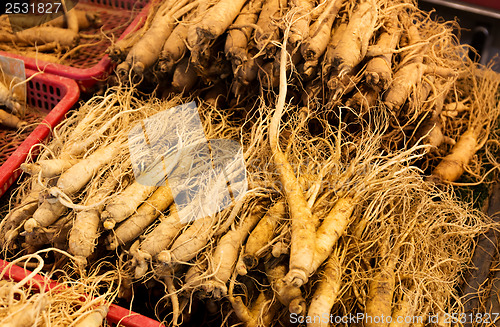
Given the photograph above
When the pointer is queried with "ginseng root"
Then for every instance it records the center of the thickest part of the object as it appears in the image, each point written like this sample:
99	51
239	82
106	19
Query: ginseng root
288	295
156	241
378	72
125	204
328	290
453	165
85	230
353	45
11	121
49	168
226	253
263	234
131	228
42	35
239	34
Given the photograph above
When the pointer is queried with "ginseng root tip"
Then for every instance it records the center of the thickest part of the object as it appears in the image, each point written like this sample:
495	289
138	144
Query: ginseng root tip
296	278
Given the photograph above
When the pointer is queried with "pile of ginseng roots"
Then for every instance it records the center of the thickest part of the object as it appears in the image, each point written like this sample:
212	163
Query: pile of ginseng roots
50	37
41	302
378	238
361	54
338	208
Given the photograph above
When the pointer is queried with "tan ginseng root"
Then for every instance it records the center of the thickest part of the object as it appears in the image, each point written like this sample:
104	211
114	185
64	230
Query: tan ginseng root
17	306
74	302
48	168
118	50
192	240
213	24
313	90
239	34
172	295
302	220
382	286
353	45
42	35
39	56
282	245
328	289
146	51
262	235
175	47
339	85
125	204
328	66
409	72
485	110
247	73
85	19
195	238
195	276
288	295
13	222
105	114
85	230
70	182
94	319
301	18
260	314
10	121
378	71
451	167
225	255
333	226
78	175
55	235
267	30
155	241
146	214
25	314
314	46
431	129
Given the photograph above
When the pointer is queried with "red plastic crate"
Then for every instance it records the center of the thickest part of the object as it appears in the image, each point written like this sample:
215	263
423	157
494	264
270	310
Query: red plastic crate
119	16
117	316
52	96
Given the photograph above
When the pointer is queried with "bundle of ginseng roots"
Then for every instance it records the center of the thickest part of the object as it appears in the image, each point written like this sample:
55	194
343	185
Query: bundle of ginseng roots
51	37
40	302
362	54
329	222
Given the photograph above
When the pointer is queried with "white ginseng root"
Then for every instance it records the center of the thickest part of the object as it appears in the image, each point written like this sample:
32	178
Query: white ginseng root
131	228
70	182
226	253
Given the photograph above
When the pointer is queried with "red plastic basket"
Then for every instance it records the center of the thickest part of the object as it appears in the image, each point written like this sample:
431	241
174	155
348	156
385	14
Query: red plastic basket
51	96
117	316
119	17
